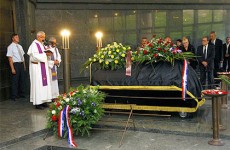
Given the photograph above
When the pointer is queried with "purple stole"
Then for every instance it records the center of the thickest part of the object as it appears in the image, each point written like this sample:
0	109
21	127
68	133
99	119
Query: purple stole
43	67
53	70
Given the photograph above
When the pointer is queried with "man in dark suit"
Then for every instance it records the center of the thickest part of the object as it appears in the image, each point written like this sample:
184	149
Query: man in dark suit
206	56
226	54
218	52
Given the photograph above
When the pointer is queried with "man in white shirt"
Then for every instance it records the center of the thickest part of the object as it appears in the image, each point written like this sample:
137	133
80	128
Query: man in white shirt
40	84
54	62
15	54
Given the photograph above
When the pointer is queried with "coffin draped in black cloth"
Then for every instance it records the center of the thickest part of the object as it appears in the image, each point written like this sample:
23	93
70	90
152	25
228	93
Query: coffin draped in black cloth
154	74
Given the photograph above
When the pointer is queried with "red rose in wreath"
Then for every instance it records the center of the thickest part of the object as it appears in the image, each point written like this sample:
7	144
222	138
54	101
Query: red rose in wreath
145	52
54	118
58	104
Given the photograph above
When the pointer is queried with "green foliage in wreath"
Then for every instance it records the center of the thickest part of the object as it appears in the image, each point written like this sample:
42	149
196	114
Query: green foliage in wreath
86	109
225	78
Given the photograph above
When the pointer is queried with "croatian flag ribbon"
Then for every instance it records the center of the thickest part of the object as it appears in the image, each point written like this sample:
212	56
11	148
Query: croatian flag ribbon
43	67
184	79
128	64
64	118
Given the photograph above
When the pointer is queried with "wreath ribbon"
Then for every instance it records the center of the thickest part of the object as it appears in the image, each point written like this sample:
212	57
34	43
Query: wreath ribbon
128	64
184	79
64	119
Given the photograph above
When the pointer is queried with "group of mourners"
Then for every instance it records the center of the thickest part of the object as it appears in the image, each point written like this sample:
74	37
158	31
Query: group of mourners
212	56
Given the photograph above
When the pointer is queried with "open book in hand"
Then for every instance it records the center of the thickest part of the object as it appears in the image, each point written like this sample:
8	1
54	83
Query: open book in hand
48	51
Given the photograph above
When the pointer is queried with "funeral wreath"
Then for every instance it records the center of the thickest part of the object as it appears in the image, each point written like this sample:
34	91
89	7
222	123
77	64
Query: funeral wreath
110	57
84	110
159	50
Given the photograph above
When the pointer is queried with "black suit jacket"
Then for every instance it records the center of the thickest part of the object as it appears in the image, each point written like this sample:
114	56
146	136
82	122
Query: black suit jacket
218	50
210	56
224	51
190	49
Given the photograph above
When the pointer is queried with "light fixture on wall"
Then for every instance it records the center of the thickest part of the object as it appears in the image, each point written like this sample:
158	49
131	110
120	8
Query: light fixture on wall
65	38
66	59
99	36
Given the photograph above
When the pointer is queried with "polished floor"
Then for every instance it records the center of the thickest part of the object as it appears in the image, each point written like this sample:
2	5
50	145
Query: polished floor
22	127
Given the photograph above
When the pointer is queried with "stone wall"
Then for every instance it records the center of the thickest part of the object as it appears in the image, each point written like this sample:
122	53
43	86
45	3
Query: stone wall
82	41
17	16
116	26
6	29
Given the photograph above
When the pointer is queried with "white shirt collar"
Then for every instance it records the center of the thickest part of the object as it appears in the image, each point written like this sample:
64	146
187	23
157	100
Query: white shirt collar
214	41
205	45
15	43
37	41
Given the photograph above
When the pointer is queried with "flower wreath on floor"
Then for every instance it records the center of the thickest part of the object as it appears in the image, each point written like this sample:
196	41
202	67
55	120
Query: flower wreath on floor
75	112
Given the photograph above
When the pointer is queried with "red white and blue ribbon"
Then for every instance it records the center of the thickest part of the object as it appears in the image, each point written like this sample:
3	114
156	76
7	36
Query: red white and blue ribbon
184	79
128	64
64	118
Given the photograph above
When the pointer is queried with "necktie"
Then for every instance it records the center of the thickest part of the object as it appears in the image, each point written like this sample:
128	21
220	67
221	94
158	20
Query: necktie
20	53
227	48
205	52
213	42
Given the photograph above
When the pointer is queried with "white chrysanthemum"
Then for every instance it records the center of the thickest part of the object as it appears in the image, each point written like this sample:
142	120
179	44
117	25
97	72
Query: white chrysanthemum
92	91
77	109
60	108
160	54
74	110
53	112
74	102
67	100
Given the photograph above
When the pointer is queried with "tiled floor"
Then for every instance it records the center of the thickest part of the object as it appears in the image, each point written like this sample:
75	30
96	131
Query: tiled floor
22	127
